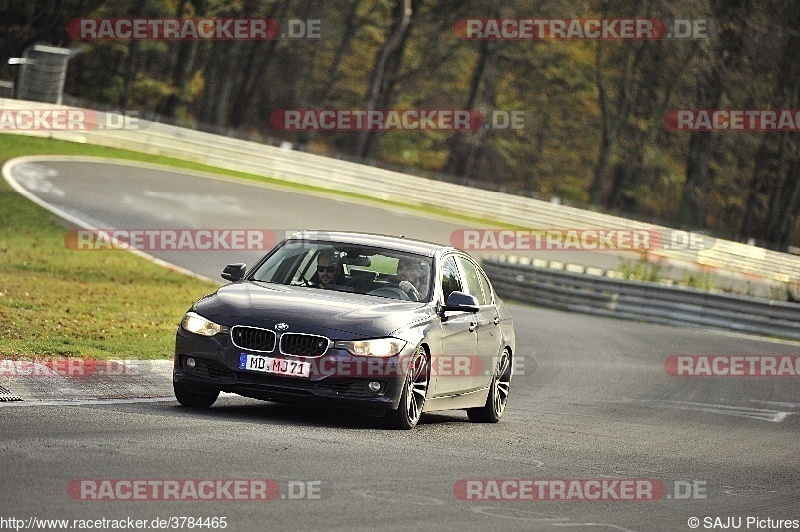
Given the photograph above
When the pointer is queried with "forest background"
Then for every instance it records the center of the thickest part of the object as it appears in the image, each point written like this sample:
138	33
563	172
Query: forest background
594	131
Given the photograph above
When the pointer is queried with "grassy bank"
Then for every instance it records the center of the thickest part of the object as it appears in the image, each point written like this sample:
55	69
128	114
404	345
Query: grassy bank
55	301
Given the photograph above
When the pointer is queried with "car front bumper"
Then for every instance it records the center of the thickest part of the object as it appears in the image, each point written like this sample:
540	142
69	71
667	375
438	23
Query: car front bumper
337	379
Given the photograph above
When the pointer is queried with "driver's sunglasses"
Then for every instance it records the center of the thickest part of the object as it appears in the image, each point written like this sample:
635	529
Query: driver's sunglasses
329	269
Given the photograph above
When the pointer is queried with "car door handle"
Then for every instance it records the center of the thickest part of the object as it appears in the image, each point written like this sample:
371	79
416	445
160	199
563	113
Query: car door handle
472	326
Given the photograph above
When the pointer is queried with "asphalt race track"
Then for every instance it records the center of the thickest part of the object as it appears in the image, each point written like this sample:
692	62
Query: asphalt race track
107	195
591	401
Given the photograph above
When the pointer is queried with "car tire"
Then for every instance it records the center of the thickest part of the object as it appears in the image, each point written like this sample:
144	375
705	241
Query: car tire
415	392
194	399
497	399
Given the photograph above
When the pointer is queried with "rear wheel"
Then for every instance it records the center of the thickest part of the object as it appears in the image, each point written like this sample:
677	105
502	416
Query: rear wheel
497	399
415	391
193	399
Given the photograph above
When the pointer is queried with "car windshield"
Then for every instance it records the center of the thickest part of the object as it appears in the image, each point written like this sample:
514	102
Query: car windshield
349	268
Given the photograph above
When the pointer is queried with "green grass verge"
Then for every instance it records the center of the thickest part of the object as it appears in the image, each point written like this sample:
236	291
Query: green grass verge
55	301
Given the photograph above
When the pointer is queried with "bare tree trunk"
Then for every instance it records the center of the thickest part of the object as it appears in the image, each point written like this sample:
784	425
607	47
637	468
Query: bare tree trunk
350	26
377	90
732	17
773	201
129	73
463	145
611	124
215	104
785	220
181	71
253	68
223	104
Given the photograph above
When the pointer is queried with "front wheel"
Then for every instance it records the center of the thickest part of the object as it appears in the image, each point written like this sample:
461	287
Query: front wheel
497	399
415	391
194	399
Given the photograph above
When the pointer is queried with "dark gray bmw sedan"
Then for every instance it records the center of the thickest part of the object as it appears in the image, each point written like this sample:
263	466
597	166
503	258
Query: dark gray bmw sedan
386	326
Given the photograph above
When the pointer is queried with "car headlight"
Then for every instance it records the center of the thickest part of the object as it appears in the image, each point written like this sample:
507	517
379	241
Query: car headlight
379	347
197	324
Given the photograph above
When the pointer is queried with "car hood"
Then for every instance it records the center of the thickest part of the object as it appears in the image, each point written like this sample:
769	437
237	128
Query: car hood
337	315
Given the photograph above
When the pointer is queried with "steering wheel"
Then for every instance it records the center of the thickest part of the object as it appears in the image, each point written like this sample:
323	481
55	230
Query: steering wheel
390	291
303	283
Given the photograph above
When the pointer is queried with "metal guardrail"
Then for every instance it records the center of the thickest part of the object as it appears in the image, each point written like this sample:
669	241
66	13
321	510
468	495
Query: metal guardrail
620	298
502	208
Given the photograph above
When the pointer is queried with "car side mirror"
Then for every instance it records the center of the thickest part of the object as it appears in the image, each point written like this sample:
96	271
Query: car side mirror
234	272
461	302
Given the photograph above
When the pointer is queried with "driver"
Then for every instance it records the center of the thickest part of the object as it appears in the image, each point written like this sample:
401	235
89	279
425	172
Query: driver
327	267
411	275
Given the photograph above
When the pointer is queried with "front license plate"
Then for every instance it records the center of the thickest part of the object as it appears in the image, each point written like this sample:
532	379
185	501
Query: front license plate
278	366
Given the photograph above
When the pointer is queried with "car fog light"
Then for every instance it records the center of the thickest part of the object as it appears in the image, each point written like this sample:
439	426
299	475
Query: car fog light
374	386
191	363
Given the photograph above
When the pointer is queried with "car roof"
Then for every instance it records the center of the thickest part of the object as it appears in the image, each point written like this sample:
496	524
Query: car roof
398	243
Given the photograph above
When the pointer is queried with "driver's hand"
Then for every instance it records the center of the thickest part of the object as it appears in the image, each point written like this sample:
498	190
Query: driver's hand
409	289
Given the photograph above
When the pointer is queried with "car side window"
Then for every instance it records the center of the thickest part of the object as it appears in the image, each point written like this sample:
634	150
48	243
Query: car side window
487	287
451	279
473	278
